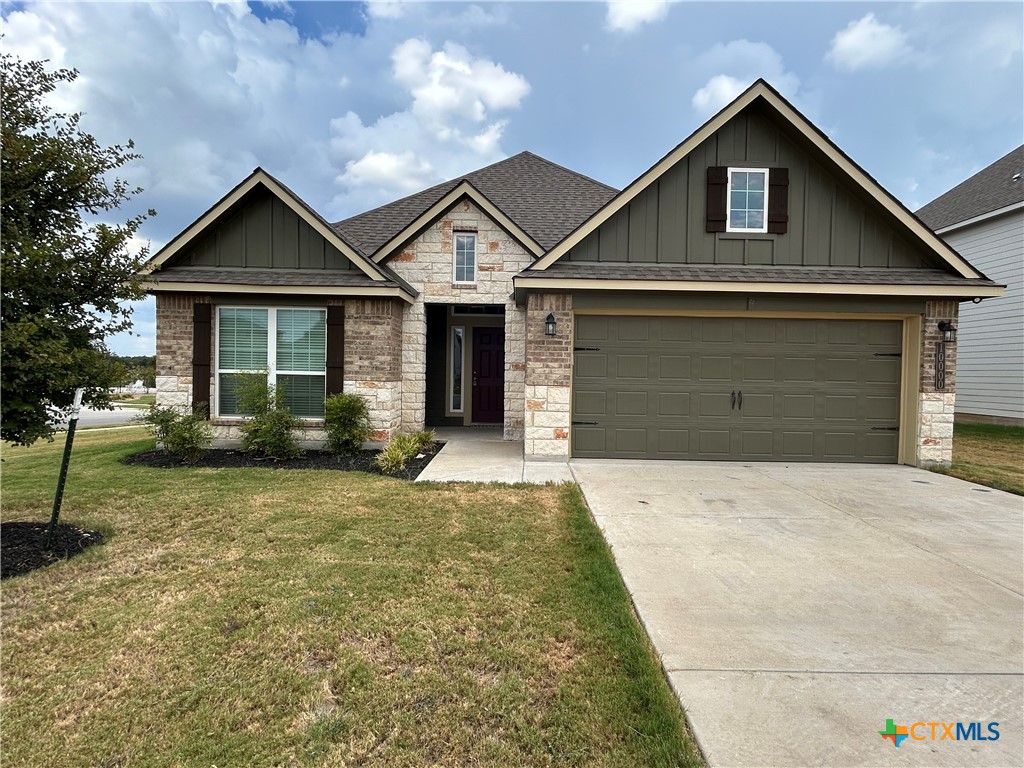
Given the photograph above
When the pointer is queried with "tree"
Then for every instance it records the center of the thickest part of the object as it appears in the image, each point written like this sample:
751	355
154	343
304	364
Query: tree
65	271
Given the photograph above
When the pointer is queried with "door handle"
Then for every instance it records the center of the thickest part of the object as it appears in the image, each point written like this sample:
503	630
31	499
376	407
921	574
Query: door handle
732	400
741	399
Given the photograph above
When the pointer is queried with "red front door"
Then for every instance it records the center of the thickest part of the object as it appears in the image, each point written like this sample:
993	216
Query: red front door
488	375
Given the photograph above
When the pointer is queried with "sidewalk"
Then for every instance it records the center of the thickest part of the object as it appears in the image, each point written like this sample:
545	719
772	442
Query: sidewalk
479	455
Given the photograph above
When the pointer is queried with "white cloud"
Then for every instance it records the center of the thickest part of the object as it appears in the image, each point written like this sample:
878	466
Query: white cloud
867	44
388	171
385	9
719	91
630	15
738	64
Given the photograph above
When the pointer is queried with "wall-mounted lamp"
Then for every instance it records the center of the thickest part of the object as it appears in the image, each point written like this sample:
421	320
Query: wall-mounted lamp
549	324
948	331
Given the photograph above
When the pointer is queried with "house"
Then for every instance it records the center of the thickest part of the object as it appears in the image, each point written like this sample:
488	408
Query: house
755	295
983	219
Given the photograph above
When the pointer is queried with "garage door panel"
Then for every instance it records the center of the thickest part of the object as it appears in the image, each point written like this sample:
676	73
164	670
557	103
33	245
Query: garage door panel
662	388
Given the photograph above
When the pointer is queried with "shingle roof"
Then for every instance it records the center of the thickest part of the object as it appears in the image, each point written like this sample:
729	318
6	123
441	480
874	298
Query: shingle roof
988	190
310	277
754	274
545	199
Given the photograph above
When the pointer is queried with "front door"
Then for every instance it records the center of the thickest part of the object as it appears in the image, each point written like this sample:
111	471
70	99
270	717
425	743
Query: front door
488	375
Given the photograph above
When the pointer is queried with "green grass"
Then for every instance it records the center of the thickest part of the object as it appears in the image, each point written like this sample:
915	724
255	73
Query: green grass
989	454
273	617
136	401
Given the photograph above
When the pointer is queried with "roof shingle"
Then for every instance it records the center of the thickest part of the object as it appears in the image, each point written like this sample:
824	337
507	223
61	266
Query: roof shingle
545	199
995	187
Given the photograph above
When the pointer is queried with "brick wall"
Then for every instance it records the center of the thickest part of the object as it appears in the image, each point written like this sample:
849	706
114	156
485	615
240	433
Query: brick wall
935	419
426	264
548	376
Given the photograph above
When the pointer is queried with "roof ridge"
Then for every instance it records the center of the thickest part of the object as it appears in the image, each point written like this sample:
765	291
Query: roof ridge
567	170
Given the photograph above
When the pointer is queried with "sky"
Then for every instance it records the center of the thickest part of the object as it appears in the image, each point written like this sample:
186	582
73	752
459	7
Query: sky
356	104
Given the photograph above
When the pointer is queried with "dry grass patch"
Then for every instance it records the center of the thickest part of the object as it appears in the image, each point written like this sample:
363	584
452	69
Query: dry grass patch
990	455
262	617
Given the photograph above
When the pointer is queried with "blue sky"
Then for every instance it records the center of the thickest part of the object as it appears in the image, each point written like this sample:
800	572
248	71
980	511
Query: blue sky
355	104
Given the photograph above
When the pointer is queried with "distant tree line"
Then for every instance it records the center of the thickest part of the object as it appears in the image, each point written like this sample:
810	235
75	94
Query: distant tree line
131	368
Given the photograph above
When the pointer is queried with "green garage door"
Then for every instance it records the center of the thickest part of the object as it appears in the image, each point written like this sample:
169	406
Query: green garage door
736	389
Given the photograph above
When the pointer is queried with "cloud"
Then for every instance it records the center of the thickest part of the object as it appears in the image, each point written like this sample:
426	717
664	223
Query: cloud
388	172
738	64
630	15
867	44
385	9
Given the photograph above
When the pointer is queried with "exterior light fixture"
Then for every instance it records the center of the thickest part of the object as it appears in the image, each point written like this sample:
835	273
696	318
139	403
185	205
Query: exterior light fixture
549	324
948	331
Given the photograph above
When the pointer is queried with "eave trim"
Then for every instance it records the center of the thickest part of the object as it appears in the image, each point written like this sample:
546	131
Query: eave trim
374	291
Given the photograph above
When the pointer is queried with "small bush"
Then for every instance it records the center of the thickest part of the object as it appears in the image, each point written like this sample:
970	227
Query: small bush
269	430
347	421
392	459
183	435
425	440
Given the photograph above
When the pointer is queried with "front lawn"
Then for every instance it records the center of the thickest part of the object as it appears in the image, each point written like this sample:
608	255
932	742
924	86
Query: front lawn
989	454
279	617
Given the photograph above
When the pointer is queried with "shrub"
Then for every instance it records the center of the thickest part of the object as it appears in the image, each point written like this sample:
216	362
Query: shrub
183	435
269	430
347	421
425	440
392	459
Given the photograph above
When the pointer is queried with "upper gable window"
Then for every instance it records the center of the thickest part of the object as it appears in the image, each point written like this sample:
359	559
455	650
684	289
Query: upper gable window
465	257
748	200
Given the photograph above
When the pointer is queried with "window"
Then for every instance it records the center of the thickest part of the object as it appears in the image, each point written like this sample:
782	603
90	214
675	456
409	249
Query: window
290	345
458	343
465	257
748	200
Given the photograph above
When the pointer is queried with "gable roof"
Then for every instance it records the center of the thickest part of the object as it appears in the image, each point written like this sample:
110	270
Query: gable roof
543	199
999	186
761	90
373	273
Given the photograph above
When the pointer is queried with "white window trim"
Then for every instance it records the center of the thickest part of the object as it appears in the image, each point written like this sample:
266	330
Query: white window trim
476	256
451	369
728	201
272	370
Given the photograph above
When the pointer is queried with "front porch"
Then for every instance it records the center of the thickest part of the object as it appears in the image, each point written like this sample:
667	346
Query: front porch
481	454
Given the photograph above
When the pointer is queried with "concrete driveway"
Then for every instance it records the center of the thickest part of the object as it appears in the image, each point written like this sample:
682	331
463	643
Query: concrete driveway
796	608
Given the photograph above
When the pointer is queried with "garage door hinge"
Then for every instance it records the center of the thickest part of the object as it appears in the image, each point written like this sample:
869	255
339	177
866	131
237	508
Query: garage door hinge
586	349
585	423
888	354
886	429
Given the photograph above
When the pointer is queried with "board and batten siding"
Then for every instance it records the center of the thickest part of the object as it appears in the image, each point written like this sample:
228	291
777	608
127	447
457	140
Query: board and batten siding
264	233
831	223
990	337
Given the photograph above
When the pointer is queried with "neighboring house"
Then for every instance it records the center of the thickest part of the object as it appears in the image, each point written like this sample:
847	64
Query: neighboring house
753	296
983	219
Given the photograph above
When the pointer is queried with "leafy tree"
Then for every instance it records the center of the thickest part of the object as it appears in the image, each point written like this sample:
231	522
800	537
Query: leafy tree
64	271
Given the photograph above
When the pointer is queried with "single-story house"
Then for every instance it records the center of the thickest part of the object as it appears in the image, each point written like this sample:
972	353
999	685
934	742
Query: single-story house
755	295
983	219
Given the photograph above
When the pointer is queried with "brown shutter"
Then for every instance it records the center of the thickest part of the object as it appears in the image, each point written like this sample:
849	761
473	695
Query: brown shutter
202	332
335	349
778	200
718	178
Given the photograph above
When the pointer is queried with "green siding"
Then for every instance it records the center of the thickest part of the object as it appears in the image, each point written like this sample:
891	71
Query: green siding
262	232
832	223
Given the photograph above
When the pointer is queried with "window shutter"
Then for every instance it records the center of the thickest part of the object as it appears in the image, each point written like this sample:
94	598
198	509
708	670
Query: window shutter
335	348
202	332
718	177
778	200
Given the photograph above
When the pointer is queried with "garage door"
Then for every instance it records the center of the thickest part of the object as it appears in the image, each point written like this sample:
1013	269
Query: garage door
736	389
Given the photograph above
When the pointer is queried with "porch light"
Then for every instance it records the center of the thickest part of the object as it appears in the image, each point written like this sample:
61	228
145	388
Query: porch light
948	331
549	324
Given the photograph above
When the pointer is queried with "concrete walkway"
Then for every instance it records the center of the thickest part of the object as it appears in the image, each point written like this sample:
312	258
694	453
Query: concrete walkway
479	455
796	608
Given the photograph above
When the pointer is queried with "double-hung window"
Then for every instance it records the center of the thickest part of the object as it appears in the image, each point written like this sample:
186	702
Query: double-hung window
464	264
748	200
288	345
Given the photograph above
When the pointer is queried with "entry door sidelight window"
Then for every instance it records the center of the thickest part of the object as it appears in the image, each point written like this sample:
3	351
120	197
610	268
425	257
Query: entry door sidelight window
458	346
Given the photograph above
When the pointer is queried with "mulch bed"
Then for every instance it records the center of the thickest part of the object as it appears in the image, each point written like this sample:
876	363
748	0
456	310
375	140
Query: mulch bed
23	546
226	458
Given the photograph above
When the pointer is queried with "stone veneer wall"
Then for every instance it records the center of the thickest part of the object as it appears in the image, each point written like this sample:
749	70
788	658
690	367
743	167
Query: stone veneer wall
373	360
935	418
426	264
548	376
